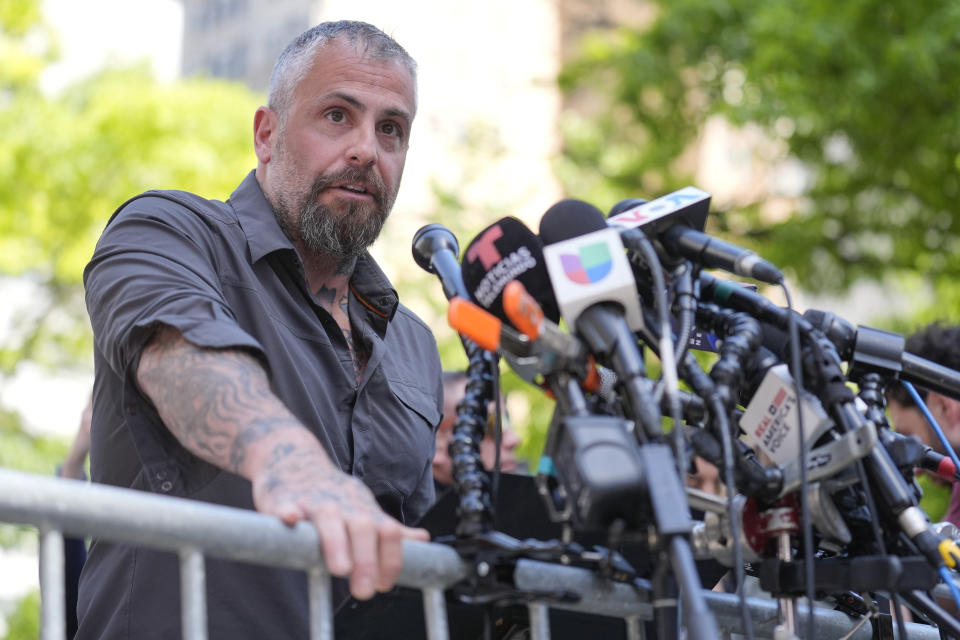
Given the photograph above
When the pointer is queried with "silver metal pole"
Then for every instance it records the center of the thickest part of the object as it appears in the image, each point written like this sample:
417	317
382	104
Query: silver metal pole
635	630
435	614
597	595
164	522
830	623
787	630
539	621
193	594
135	517
53	607
321	607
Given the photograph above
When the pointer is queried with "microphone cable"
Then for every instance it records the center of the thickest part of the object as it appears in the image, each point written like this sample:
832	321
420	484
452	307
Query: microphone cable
797	368
954	590
639	242
705	387
932	422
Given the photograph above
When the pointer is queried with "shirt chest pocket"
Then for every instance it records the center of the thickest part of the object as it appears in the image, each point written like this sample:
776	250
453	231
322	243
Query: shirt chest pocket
396	447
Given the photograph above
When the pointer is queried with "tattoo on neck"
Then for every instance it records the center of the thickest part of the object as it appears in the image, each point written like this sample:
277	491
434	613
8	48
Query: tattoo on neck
326	296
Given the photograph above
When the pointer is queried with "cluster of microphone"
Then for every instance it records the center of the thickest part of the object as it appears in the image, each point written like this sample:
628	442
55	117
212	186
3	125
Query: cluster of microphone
814	472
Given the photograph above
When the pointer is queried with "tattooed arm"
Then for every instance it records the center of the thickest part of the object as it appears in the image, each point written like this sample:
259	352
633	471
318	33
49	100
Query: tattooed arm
219	405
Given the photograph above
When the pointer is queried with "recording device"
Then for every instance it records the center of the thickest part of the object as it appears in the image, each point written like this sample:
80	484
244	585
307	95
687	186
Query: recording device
870	349
595	290
435	250
613	472
677	220
504	252
770	419
540	353
586	263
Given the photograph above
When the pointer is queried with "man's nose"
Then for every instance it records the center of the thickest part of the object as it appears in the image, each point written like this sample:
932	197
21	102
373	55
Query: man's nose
362	150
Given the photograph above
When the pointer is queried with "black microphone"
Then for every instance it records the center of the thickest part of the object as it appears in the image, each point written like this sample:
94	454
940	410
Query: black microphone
594	287
870	349
677	219
505	251
939	464
435	249
883	475
911	451
734	295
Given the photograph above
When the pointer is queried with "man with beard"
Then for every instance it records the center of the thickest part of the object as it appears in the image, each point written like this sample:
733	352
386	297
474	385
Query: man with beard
251	353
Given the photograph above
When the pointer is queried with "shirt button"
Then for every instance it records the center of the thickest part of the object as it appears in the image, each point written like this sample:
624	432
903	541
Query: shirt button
166	486
161	475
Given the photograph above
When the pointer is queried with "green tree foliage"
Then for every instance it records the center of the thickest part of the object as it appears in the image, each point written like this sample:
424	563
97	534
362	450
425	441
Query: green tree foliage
67	161
23	623
482	146
863	94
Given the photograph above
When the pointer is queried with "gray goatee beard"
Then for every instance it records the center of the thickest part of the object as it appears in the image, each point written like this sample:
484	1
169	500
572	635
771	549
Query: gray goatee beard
343	231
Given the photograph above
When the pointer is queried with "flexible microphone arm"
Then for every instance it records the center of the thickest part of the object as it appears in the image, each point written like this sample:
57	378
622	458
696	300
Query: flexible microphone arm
435	249
475	513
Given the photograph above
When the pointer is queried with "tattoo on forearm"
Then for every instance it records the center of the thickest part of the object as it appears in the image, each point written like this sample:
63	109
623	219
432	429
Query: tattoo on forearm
255	430
216	402
294	472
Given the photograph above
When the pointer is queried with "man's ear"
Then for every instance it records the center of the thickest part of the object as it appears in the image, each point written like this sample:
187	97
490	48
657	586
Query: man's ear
265	129
946	411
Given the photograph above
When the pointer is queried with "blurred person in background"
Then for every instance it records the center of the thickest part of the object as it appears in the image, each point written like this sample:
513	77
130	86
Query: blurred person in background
454	386
706	477
941	344
75	549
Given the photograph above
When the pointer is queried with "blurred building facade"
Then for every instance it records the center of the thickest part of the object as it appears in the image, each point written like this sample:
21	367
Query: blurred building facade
240	39
488	122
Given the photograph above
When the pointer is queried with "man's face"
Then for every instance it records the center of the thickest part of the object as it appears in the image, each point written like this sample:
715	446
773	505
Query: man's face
443	464
332	170
908	420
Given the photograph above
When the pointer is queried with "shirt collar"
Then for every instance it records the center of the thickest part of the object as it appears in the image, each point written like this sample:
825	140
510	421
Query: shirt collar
257	219
369	283
371	287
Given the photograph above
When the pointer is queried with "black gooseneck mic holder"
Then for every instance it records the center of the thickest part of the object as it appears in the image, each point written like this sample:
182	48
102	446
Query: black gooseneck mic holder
435	249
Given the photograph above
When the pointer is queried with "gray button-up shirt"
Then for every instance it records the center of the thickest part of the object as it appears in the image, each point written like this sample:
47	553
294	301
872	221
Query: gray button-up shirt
225	276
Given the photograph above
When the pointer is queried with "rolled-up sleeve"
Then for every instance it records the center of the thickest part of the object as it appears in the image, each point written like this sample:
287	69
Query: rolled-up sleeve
157	263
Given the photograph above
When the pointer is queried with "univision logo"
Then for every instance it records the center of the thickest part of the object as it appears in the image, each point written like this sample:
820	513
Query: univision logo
591	263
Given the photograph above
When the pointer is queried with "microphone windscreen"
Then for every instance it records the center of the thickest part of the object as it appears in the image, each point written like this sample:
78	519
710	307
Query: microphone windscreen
507	250
568	219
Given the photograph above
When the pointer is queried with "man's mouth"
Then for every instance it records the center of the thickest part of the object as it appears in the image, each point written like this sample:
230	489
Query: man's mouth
353	188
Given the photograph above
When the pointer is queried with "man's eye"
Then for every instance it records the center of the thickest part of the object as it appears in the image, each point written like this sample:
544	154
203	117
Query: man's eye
390	129
336	115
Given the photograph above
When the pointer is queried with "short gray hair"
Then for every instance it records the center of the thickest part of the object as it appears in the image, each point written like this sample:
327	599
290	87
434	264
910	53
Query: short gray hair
297	59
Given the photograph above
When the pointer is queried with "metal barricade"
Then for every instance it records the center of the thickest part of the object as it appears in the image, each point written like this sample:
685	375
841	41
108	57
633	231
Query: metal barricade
59	507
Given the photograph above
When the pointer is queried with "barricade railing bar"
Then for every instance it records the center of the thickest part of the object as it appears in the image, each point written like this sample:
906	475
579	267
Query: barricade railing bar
194	530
